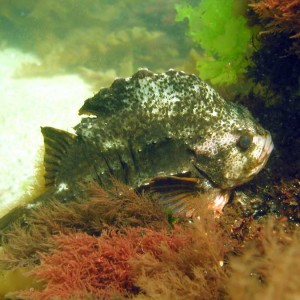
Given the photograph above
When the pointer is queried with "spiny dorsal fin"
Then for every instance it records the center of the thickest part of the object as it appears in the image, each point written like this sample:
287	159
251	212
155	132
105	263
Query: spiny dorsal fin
120	95
57	143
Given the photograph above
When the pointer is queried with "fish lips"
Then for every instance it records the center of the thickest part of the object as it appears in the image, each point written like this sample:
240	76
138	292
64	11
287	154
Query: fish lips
263	156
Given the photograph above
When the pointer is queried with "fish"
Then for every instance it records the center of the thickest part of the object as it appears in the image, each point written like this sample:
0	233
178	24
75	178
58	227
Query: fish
170	133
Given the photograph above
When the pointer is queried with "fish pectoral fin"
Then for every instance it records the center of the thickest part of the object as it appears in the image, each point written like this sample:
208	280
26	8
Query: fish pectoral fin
187	196
174	192
57	143
160	183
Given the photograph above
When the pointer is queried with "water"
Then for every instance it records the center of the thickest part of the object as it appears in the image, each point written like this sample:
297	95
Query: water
54	55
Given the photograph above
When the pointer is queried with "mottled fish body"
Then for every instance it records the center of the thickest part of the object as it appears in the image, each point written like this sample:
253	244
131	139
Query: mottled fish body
154	128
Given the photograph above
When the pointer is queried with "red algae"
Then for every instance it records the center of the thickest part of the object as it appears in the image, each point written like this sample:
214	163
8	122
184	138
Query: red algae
143	258
280	16
83	264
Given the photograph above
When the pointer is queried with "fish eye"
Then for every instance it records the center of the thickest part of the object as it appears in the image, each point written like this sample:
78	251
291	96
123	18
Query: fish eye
244	141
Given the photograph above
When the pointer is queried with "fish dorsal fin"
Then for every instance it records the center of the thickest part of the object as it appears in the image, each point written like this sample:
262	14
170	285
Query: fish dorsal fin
57	143
174	192
120	95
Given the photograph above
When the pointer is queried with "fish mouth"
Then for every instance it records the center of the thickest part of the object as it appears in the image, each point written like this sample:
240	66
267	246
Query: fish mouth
266	150
263	155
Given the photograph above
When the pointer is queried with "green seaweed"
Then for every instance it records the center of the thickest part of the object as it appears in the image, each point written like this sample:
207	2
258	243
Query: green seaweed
222	32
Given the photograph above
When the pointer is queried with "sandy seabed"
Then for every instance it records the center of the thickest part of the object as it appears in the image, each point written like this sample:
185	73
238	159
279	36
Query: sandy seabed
26	105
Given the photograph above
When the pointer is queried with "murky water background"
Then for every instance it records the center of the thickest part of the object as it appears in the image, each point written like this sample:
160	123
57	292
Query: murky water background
55	54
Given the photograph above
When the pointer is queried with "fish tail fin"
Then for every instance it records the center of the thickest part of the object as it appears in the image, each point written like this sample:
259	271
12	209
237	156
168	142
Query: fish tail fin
19	214
57	143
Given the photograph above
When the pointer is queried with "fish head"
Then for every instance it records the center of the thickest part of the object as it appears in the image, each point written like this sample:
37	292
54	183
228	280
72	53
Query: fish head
234	150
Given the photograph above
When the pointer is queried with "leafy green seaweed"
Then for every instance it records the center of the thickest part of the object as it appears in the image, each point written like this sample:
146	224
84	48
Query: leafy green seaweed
223	34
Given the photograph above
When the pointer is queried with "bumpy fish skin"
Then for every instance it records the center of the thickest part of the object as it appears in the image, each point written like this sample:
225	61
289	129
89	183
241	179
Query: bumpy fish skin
171	130
162	124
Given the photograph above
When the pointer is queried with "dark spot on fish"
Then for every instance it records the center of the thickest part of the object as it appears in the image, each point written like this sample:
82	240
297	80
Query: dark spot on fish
125	169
